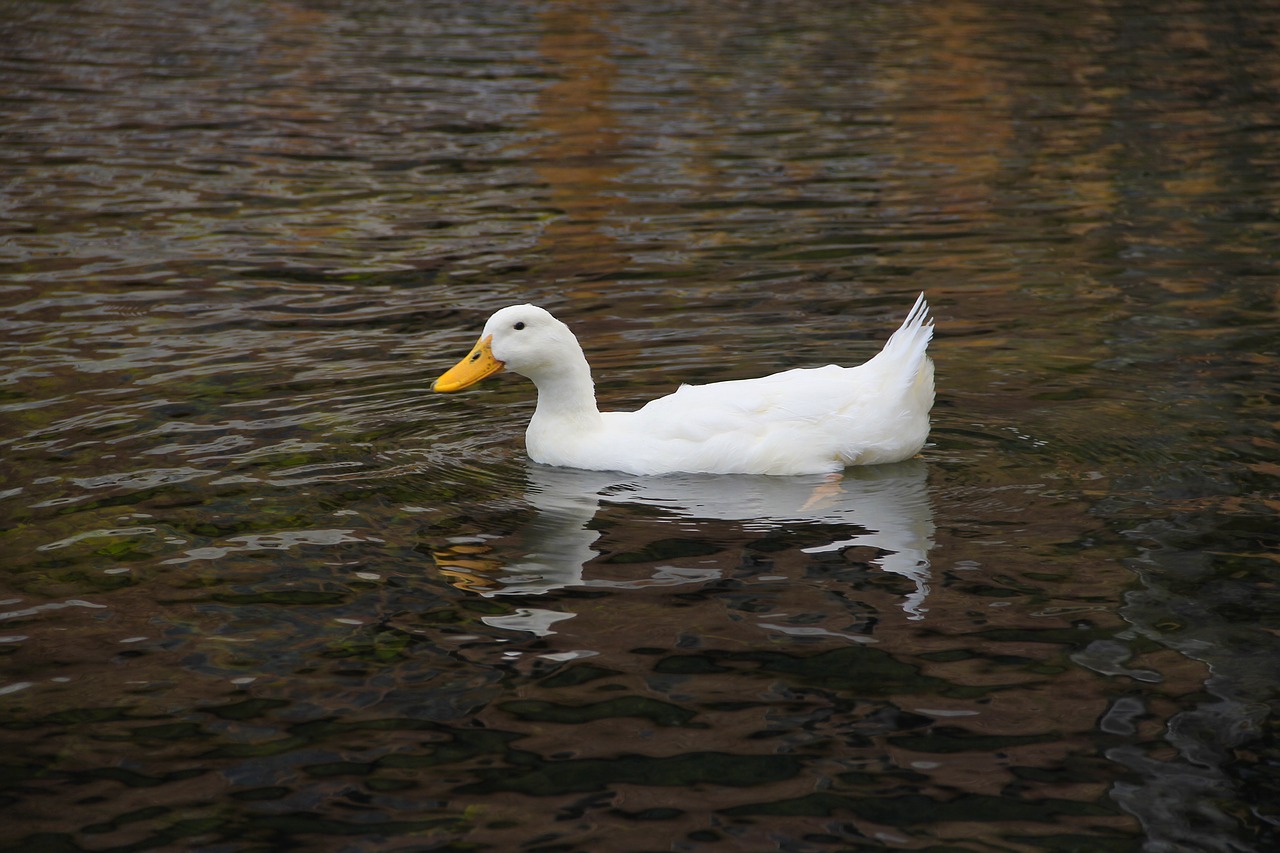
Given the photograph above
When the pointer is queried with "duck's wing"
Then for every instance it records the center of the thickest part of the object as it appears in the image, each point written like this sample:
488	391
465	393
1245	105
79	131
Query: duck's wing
798	397
897	381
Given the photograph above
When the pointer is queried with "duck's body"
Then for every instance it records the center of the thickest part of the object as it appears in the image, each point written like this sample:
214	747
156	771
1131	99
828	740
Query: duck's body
802	421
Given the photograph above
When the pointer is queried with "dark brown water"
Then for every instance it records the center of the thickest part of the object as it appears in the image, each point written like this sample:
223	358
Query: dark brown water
261	590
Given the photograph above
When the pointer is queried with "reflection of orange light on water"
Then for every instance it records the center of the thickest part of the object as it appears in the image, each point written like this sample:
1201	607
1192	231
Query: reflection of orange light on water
577	157
466	569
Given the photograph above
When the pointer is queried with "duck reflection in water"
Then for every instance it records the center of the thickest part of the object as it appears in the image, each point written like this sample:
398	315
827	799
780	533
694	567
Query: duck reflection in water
883	507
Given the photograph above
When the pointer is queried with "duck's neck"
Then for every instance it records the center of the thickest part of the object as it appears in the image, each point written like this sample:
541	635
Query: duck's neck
566	399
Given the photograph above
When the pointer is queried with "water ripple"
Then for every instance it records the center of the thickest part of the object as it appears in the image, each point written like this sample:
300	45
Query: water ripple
243	540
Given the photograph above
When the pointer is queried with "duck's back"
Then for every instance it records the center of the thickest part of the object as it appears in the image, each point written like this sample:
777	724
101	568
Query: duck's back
804	420
801	421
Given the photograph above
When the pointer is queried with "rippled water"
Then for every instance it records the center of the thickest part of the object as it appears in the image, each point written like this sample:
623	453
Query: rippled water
262	590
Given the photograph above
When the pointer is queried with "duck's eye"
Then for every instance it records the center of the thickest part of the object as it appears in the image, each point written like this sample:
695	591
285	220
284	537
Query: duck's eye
518	326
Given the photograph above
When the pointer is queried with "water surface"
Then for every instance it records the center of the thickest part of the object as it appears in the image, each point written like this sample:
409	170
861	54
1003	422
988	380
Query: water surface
261	589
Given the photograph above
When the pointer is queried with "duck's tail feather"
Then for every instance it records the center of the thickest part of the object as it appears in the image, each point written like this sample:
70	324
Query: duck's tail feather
904	352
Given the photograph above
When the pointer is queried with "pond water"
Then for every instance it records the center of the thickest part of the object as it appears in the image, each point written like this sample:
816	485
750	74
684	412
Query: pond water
262	590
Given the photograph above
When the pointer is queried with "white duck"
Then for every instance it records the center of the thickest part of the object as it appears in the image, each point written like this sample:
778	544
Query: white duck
801	421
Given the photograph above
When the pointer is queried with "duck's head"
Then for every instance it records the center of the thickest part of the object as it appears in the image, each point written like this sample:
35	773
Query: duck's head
524	339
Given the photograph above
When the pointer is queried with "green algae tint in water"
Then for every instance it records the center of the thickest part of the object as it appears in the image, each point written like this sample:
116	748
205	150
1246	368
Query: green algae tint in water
259	589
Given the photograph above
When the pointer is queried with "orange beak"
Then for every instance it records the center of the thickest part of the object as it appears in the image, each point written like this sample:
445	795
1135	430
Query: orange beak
478	364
